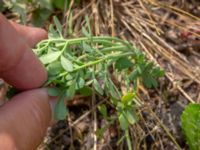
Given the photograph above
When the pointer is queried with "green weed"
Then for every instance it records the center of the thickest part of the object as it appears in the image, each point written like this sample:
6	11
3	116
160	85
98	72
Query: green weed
190	121
90	62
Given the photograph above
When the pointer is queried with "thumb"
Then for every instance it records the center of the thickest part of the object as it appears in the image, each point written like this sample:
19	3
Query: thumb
24	120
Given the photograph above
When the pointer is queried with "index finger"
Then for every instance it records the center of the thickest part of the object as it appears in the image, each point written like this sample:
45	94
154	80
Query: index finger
18	64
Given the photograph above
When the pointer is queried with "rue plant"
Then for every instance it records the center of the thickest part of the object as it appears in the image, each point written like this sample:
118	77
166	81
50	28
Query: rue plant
82	65
77	65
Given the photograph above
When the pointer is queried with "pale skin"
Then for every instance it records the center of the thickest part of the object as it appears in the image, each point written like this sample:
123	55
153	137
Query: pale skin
25	118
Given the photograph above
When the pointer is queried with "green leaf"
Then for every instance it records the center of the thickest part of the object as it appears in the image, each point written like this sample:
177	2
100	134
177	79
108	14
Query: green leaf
190	122
46	59
70	24
53	91
54	68
157	72
103	110
87	47
80	83
131	116
149	82
69	83
123	63
66	64
58	25
97	87
88	24
128	97
71	90
112	89
85	32
138	69
60	111
134	75
85	91
123	122
69	77
53	34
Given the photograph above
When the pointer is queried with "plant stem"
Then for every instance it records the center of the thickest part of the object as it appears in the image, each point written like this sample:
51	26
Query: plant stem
128	140
98	61
103	40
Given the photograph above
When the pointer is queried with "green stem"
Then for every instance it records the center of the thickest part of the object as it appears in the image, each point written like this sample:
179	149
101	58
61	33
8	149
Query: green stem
103	40
128	140
114	48
98	61
42	48
106	50
101	60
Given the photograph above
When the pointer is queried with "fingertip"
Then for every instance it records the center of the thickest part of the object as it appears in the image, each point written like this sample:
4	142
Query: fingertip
35	35
31	34
28	73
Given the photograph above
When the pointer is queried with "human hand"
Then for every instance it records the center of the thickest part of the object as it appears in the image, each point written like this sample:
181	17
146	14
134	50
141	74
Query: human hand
25	118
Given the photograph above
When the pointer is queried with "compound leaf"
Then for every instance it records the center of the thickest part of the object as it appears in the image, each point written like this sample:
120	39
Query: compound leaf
123	63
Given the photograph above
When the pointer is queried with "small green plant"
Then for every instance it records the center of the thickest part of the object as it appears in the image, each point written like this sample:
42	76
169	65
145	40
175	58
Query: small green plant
82	64
75	65
190	121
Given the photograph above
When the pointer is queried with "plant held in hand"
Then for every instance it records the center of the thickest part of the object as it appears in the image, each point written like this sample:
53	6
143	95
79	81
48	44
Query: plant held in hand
86	64
76	64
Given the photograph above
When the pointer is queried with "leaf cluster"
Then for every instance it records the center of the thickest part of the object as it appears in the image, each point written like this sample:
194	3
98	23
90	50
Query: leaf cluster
80	64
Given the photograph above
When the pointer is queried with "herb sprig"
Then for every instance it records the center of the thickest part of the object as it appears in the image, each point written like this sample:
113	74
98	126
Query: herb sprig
93	62
74	65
